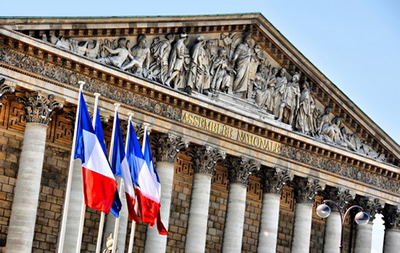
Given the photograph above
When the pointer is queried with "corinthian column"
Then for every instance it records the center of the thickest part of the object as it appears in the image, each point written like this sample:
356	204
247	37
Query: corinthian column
239	169
38	110
167	147
364	233
391	216
204	159
305	191
274	180
333	225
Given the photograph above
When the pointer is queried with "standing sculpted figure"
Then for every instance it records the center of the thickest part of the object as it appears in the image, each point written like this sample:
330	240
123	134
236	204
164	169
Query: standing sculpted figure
220	72
280	87
260	85
199	75
176	62
269	94
141	57
160	50
119	55
290	100
241	59
305	115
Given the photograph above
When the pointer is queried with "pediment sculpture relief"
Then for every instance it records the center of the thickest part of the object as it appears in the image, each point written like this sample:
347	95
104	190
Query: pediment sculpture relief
233	65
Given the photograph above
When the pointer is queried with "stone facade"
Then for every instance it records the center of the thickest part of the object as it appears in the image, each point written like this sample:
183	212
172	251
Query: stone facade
212	120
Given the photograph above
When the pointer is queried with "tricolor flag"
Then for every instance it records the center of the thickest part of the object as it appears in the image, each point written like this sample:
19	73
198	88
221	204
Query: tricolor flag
149	190
121	167
98	128
99	184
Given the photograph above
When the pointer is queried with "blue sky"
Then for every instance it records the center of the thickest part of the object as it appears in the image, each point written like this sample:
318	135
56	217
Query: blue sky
355	43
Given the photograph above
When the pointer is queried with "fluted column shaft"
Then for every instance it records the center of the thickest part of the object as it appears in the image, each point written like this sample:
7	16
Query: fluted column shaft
392	241
167	147
233	231
204	160
274	181
305	191
74	209
38	110
364	238
154	241
333	229
239	169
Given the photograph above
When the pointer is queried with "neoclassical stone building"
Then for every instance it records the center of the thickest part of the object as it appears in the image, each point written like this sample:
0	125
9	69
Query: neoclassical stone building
249	136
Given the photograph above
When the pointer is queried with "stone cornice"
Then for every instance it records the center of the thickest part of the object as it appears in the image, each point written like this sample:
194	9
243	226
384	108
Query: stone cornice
65	67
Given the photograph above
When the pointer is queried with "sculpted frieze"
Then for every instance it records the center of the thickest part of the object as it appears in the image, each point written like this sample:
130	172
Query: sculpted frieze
222	66
91	84
323	121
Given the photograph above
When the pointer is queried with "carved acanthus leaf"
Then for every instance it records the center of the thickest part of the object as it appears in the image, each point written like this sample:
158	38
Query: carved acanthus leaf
240	168
39	107
167	146
5	88
370	205
205	158
275	179
305	189
340	195
391	216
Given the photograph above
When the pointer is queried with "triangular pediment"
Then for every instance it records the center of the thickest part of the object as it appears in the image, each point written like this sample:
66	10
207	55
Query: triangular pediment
239	63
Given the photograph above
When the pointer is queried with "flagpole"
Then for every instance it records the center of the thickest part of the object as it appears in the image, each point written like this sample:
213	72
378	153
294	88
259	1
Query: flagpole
110	159
70	174
102	214
83	209
133	226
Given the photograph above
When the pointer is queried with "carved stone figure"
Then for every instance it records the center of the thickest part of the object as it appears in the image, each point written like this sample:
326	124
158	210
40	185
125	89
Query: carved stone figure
141	57
324	120
305	121
333	134
260	85
221	73
271	85
241	59
92	49
290	100
280	87
176	62
118	55
109	244
354	142
199	76
160	50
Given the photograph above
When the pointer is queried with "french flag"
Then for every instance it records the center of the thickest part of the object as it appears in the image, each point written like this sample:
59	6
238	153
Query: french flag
98	129
99	184
148	190
121	167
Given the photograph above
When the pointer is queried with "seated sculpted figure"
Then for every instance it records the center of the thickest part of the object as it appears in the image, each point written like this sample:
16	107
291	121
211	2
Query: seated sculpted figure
332	133
141	57
118	55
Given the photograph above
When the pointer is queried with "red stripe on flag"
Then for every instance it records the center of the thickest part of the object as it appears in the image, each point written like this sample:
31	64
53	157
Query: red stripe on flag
148	209
131	208
98	190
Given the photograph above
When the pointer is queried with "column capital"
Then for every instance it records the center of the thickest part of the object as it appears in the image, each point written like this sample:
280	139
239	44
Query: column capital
371	205
240	169
305	189
391	216
205	158
39	106
274	179
167	146
5	87
340	195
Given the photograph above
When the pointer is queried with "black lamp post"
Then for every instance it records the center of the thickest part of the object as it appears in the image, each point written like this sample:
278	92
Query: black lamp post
361	218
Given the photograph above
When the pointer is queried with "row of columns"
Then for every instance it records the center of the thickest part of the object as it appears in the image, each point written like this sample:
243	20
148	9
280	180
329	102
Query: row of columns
39	108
